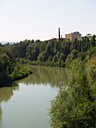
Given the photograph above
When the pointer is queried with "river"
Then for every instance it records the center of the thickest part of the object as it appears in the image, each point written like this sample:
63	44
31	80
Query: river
28	104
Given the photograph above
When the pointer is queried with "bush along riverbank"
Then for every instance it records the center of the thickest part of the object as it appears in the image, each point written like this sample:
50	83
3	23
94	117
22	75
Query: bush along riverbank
20	71
75	105
10	70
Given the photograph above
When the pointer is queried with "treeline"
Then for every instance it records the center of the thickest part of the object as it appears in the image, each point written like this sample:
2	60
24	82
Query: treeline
10	70
52	52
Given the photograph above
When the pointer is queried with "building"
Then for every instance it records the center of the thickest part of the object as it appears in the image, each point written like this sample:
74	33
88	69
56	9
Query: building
88	35
73	36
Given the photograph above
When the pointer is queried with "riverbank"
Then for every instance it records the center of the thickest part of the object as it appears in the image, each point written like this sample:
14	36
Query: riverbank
75	106
20	71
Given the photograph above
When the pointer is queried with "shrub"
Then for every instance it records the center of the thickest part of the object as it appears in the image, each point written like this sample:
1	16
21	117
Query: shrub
75	105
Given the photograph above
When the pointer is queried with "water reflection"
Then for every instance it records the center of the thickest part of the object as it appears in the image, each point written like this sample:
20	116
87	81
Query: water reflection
6	93
47	75
0	113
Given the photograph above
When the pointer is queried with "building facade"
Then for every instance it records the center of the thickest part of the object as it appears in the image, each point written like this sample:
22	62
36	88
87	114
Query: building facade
73	36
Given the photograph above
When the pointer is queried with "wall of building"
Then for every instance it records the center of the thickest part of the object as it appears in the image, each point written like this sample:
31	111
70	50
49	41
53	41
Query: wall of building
73	36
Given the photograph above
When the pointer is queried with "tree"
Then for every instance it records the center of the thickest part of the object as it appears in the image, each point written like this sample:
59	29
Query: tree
43	56
75	105
32	52
5	68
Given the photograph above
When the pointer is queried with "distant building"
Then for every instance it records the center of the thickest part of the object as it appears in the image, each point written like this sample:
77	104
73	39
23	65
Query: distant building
73	36
88	35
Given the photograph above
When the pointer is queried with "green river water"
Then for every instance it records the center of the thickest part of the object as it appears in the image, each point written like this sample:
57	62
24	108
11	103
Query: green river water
28	104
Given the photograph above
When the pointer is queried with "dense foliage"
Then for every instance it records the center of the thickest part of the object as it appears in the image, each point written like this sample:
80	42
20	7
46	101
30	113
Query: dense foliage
53	52
10	70
6	65
75	105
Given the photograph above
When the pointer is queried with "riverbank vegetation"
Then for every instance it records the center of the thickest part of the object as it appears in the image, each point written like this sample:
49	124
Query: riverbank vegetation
75	105
52	52
10	69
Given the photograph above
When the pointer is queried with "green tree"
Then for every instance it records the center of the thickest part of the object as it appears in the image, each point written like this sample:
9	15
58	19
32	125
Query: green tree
43	56
75	105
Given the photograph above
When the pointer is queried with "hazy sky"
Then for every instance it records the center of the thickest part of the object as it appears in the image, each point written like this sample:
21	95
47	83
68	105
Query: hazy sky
40	19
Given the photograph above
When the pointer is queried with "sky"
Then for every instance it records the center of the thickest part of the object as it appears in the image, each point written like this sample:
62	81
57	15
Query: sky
40	19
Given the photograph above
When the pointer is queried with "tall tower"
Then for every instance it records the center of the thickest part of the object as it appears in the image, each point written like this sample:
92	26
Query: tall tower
58	33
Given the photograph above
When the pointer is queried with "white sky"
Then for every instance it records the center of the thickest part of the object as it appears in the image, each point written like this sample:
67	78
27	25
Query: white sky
40	19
